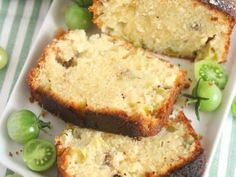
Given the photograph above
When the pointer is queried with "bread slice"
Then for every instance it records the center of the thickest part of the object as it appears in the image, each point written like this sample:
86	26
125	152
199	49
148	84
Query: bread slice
182	28
106	84
84	152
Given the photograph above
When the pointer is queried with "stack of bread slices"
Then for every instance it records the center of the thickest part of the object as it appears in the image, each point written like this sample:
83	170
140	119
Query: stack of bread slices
118	94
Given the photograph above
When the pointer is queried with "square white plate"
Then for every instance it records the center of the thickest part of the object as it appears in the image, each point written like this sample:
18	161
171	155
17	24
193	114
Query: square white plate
209	127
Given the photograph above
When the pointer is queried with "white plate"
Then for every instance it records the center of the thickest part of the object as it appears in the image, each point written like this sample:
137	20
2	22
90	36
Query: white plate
209	127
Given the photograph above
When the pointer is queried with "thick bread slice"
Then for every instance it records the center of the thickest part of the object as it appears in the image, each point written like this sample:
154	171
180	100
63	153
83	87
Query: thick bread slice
106	84
83	152
180	28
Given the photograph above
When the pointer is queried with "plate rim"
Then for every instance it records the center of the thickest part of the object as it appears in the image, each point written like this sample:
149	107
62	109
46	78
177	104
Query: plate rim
5	160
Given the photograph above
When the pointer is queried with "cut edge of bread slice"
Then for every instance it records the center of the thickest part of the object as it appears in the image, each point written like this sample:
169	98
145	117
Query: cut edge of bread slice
220	10
193	163
109	120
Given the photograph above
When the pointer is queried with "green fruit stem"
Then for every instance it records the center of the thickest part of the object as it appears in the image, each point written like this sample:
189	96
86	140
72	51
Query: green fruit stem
43	124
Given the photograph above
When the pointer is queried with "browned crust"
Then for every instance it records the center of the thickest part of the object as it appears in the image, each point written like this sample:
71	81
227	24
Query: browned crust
108	120
94	10
227	6
113	121
62	153
167	107
195	168
62	163
221	9
60	32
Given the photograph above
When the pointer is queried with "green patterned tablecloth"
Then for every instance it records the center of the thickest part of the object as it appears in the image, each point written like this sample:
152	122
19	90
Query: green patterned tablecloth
20	21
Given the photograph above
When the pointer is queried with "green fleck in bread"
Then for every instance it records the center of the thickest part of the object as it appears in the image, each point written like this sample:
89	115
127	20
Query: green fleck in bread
179	28
106	84
84	152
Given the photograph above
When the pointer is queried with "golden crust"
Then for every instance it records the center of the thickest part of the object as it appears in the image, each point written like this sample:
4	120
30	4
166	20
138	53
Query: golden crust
227	6
62	153
61	160
231	18
217	9
119	121
94	10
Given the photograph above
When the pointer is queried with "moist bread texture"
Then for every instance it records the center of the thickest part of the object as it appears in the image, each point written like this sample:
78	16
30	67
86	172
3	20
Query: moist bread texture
85	152
105	84
180	28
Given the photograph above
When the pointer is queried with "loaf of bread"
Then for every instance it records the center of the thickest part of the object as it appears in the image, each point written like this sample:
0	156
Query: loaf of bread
182	28
84	152
105	84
